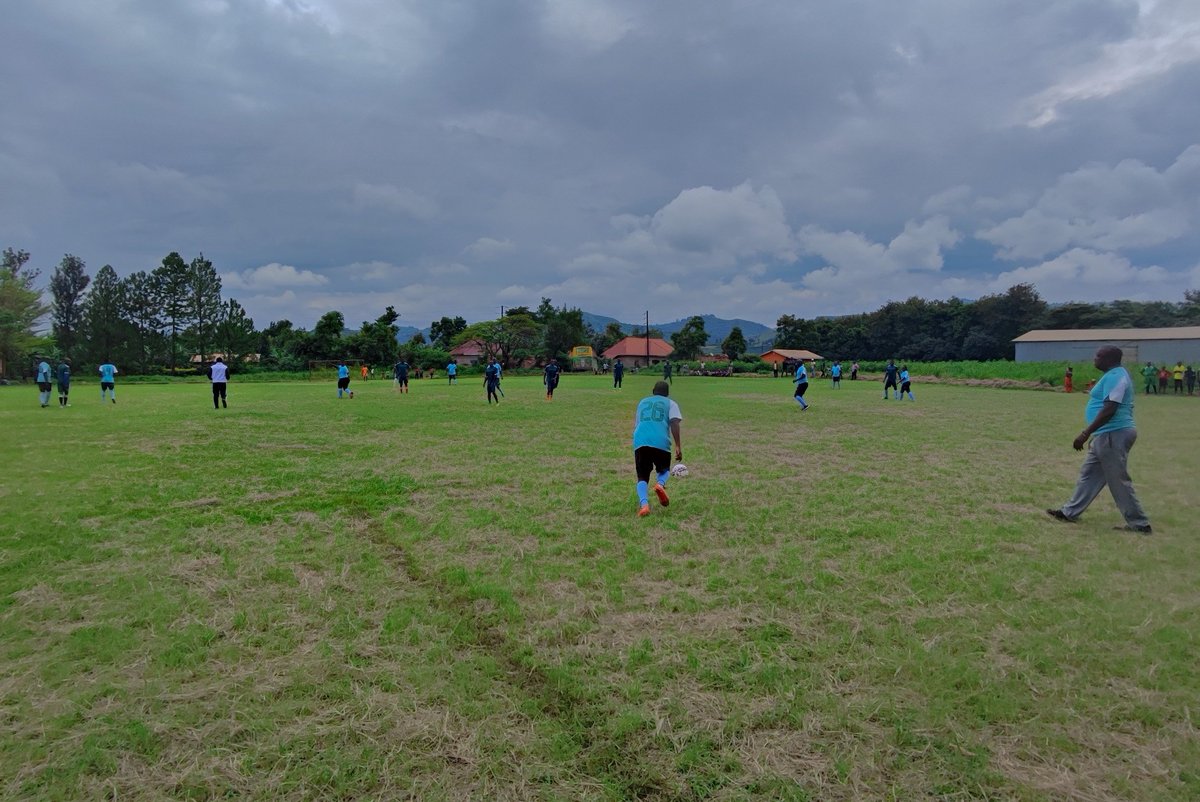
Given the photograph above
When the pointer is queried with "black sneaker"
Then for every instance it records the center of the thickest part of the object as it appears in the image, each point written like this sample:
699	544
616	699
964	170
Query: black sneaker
1060	515
1141	530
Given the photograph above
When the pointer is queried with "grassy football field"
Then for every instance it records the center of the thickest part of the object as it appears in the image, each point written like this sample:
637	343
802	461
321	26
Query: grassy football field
424	597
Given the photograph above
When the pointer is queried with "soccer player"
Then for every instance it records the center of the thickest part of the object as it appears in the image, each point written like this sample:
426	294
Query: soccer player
218	374
800	379
836	373
618	373
43	382
499	377
452	372
64	382
667	372
491	380
655	422
890	374
550	378
344	380
905	385
400	371
108	383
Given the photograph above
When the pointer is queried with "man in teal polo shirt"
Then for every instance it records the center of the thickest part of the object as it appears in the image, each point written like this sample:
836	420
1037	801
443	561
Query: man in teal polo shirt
1109	417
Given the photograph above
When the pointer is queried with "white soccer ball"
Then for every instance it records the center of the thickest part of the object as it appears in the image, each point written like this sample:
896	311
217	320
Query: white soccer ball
679	470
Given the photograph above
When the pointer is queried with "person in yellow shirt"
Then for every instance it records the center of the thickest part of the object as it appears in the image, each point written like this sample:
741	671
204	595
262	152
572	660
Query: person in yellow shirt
1177	372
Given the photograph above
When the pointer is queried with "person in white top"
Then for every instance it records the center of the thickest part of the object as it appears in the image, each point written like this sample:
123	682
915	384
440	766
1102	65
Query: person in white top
218	374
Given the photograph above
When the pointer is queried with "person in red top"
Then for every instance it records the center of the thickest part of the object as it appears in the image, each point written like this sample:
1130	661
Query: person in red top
1069	380
1164	376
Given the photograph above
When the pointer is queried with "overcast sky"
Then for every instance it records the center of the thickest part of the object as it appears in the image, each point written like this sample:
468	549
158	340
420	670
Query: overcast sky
746	159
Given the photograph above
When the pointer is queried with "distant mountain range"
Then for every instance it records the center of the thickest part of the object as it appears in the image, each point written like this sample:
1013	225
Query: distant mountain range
717	328
758	336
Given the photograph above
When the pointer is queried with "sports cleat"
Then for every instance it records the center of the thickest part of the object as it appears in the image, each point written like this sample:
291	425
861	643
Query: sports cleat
1141	530
644	510
661	492
1061	516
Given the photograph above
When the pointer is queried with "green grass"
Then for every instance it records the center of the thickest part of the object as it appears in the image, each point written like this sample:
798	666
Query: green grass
425	597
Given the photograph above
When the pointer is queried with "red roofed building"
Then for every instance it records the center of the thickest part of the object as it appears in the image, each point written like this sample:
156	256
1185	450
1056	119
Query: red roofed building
469	353
633	350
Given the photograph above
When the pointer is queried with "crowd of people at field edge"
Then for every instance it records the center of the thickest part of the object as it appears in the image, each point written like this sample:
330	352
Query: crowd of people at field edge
1109	434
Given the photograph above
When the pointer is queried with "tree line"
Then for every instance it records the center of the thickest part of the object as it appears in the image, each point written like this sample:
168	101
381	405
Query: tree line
934	331
174	316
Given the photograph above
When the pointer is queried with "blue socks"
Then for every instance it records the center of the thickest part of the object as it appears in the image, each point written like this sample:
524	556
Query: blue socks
801	401
663	477
643	491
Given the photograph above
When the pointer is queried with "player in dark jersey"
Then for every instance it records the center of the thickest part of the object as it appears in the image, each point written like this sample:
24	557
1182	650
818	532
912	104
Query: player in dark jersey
550	378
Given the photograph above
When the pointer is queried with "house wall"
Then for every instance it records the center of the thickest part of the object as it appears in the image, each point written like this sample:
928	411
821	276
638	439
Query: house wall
1160	352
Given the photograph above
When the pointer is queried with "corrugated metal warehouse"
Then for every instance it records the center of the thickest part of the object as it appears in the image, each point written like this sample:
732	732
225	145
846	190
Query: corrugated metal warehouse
1160	346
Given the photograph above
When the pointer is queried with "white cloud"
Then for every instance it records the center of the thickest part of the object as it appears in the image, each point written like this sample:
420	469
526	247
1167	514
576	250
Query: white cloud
1085	275
270	277
726	224
1129	205
394	199
488	248
591	24
1167	36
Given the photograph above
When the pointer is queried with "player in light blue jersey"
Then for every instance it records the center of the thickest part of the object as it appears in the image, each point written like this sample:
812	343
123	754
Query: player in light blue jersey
655	422
108	381
905	384
800	379
452	372
44	382
835	373
344	380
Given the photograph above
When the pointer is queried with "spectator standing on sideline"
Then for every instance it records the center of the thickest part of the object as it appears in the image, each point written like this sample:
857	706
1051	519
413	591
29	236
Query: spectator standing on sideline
1150	376
1069	380
854	372
800	379
1177	373
1164	377
618	373
550	378
108	381
1189	378
45	387
218	374
363	371
1110	427
64	382
836	373
656	420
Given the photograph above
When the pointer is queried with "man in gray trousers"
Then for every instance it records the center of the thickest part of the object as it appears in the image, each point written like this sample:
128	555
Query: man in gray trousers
1109	417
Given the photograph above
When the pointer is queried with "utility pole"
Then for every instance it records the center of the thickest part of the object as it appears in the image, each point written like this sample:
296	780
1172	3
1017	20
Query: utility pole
647	338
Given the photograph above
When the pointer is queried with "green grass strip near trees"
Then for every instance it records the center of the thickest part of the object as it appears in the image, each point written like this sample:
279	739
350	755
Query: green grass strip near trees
421	596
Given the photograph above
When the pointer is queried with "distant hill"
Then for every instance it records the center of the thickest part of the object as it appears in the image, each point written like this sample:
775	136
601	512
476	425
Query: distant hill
757	334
